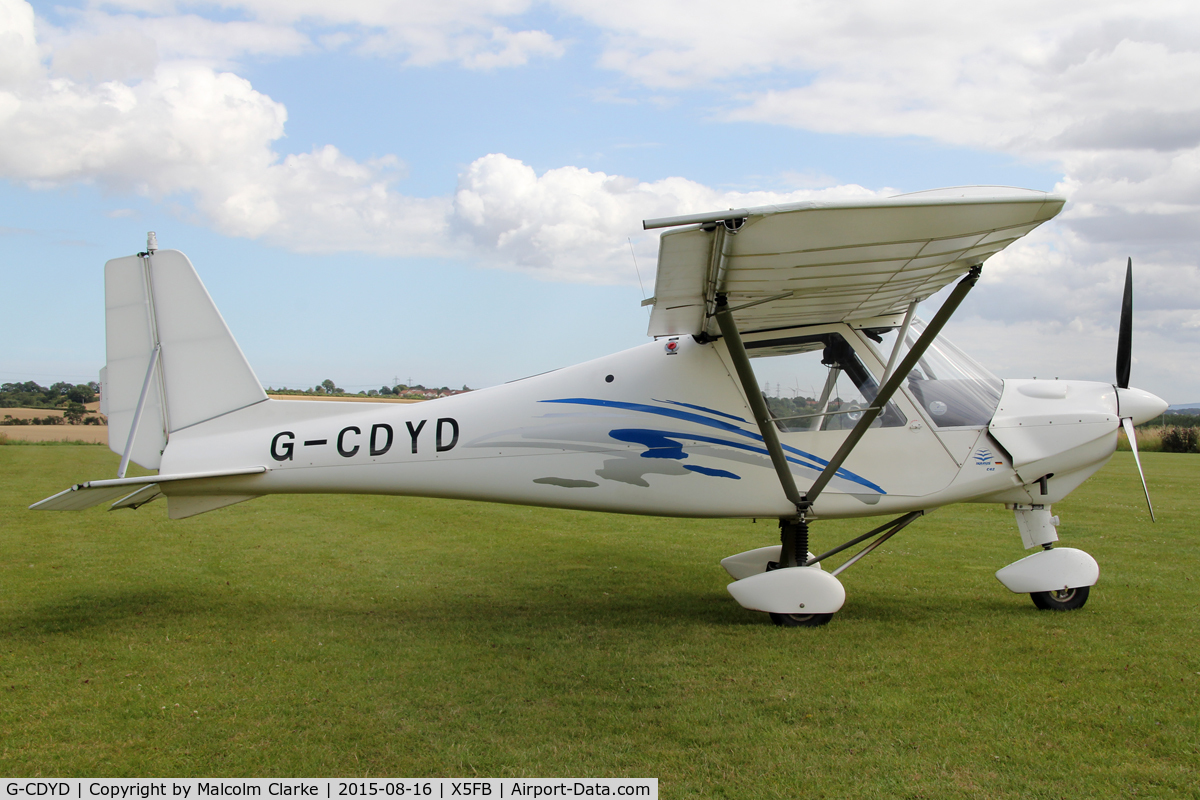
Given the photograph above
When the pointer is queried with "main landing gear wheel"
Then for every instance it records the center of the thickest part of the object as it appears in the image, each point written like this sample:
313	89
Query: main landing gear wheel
801	620
1060	599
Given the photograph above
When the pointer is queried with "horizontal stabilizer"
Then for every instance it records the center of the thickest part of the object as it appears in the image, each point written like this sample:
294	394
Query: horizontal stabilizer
86	495
81	496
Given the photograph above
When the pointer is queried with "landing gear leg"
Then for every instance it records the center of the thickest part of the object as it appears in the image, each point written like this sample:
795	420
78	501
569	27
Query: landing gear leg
793	535
793	538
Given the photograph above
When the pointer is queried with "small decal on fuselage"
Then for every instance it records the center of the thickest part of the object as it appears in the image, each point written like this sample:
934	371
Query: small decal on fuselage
986	458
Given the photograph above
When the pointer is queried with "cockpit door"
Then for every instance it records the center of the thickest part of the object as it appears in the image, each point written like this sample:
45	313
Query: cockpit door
816	380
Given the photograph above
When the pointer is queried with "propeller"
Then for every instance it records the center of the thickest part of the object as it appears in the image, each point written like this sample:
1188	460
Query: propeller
1124	359
1127	424
1125	332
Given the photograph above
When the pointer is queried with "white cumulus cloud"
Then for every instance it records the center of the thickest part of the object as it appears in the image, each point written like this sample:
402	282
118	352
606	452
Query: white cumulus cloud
574	224
187	130
1105	91
178	128
472	33
144	96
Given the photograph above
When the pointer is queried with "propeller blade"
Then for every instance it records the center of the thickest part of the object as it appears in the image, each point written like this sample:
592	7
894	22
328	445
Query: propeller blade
1125	333
1127	423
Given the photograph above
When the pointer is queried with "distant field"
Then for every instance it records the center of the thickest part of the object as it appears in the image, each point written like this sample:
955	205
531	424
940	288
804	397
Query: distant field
98	434
51	433
31	413
380	636
92	434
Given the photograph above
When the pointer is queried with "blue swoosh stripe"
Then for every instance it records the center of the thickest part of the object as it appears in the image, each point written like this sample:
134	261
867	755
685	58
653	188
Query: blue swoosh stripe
715	473
702	408
696	418
638	435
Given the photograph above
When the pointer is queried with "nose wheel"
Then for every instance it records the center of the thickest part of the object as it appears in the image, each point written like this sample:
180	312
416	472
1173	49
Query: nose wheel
1061	599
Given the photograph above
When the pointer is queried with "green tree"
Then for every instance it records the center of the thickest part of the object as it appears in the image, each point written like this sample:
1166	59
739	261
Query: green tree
74	413
81	393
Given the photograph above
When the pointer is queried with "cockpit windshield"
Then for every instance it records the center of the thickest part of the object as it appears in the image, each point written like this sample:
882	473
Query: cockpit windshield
954	389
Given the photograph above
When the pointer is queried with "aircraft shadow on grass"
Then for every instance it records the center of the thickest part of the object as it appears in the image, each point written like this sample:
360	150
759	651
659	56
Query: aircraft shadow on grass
97	610
115	611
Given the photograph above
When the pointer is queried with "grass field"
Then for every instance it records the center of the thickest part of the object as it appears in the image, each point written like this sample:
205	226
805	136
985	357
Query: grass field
330	636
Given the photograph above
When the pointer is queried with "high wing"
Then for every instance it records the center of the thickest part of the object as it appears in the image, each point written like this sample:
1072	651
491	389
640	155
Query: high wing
812	263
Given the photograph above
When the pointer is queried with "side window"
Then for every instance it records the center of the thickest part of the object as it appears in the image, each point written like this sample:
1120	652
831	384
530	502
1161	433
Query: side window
817	383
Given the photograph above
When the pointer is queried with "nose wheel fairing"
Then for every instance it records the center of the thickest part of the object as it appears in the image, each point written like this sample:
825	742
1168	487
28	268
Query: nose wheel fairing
1059	569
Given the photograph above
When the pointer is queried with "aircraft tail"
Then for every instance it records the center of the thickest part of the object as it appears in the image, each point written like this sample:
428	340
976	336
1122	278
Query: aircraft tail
172	361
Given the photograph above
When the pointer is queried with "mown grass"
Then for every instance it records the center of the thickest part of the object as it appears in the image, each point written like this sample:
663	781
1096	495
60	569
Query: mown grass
320	636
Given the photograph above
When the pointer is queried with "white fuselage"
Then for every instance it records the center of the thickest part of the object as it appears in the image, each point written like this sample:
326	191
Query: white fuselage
649	431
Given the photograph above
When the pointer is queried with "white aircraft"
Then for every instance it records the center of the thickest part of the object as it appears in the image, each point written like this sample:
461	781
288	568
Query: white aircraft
900	421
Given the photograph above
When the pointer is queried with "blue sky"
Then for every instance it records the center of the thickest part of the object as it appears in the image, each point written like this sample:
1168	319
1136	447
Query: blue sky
449	193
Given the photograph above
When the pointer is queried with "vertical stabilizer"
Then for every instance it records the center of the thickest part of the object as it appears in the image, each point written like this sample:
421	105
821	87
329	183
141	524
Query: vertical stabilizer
156	302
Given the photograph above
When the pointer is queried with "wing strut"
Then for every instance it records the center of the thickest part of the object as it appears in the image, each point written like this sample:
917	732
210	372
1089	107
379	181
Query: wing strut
900	339
758	405
762	415
891	385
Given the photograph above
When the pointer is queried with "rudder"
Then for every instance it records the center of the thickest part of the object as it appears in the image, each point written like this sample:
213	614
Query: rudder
169	351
